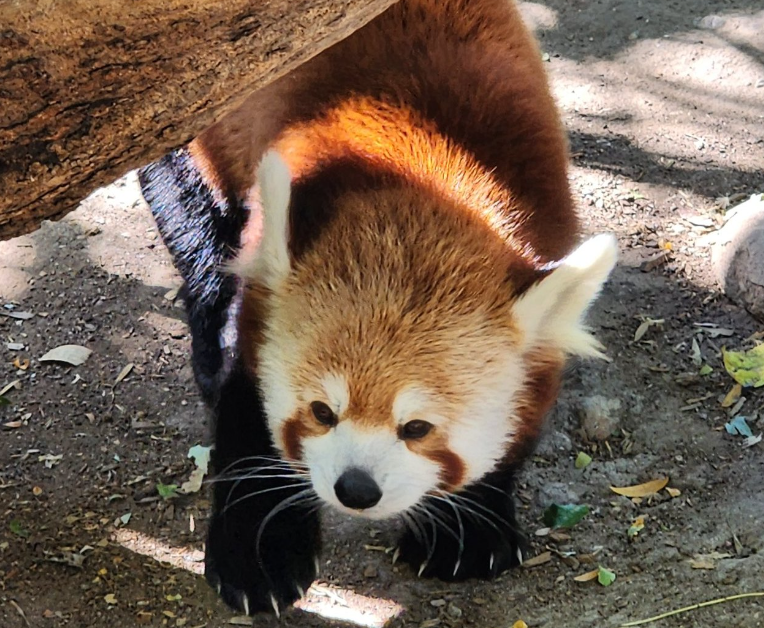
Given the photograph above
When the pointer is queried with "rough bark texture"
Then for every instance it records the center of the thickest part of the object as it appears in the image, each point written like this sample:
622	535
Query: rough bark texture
92	88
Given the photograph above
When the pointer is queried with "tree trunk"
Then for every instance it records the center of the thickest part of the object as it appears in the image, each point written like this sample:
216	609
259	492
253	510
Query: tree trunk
90	89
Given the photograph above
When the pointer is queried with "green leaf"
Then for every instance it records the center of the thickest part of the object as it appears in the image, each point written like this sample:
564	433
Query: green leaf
17	528
706	369
565	515
746	367
167	491
605	577
4	401
583	460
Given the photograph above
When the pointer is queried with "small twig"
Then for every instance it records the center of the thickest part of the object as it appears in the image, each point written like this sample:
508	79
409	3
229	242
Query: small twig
692	608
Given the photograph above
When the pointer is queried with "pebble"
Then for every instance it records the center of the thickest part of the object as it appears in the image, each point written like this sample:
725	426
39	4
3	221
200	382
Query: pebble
600	416
370	571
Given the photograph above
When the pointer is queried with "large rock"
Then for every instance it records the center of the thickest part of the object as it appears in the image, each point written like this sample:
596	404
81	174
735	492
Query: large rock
738	255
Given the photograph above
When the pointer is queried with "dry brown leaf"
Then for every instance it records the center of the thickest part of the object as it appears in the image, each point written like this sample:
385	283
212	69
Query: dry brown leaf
519	624
641	490
674	492
542	558
588	576
13	425
124	373
732	396
20	364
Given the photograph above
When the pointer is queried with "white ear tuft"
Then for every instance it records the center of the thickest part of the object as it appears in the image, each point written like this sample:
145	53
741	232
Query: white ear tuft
551	312
270	263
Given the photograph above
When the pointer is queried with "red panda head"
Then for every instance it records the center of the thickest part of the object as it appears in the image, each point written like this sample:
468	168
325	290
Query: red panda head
407	348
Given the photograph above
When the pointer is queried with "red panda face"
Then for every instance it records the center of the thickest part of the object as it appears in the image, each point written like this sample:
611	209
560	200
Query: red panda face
395	356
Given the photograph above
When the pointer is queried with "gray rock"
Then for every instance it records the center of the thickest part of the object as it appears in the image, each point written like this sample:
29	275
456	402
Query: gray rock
600	416
554	443
557	493
738	255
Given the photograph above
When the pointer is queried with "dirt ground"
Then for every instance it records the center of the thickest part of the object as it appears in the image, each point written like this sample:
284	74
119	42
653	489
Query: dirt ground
664	101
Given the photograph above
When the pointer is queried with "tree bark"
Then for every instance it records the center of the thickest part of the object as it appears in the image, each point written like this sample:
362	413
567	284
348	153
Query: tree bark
90	89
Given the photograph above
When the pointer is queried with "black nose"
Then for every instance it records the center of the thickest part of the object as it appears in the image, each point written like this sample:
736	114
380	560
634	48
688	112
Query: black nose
357	489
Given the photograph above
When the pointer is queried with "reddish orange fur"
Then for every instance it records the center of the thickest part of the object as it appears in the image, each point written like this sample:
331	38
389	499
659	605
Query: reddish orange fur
414	131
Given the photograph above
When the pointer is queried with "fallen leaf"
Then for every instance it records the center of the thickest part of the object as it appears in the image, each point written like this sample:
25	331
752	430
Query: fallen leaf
636	527
583	460
69	354
565	515
706	369
20	364
519	624
11	425
746	367
166	491
16	383
751	441
201	456
22	316
707	561
673	492
14	346
641	490
540	559
586	577
730	399
124	373
16	527
738	425
110	598
697	356
605	577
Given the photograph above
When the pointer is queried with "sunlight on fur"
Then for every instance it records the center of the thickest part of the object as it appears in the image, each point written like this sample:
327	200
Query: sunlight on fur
331	603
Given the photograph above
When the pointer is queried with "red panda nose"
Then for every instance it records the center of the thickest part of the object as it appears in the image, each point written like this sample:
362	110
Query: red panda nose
357	489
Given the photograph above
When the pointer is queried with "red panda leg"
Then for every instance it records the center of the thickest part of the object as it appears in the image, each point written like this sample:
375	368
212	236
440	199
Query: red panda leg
264	536
469	534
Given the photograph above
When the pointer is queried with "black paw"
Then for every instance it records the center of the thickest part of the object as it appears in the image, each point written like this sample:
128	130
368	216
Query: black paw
472	534
262	549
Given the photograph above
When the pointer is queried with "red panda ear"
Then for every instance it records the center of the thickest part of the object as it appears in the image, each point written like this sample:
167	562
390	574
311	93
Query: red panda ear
551	312
270	263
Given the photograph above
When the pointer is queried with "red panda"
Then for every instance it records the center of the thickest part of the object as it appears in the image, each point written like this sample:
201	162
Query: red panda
384	283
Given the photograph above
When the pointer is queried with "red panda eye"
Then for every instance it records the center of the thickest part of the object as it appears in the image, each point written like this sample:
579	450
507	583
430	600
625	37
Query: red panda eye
323	413
415	429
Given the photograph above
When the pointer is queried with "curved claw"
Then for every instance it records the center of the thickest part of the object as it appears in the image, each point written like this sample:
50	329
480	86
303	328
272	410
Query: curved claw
457	565
275	605
245	603
422	567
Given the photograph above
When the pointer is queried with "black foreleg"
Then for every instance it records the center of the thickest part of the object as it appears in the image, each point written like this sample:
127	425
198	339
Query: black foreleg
469	534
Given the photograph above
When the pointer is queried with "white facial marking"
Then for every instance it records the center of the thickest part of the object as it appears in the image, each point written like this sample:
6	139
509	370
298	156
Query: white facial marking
402	476
336	389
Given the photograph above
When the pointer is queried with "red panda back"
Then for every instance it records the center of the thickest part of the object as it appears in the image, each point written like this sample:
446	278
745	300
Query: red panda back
470	70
